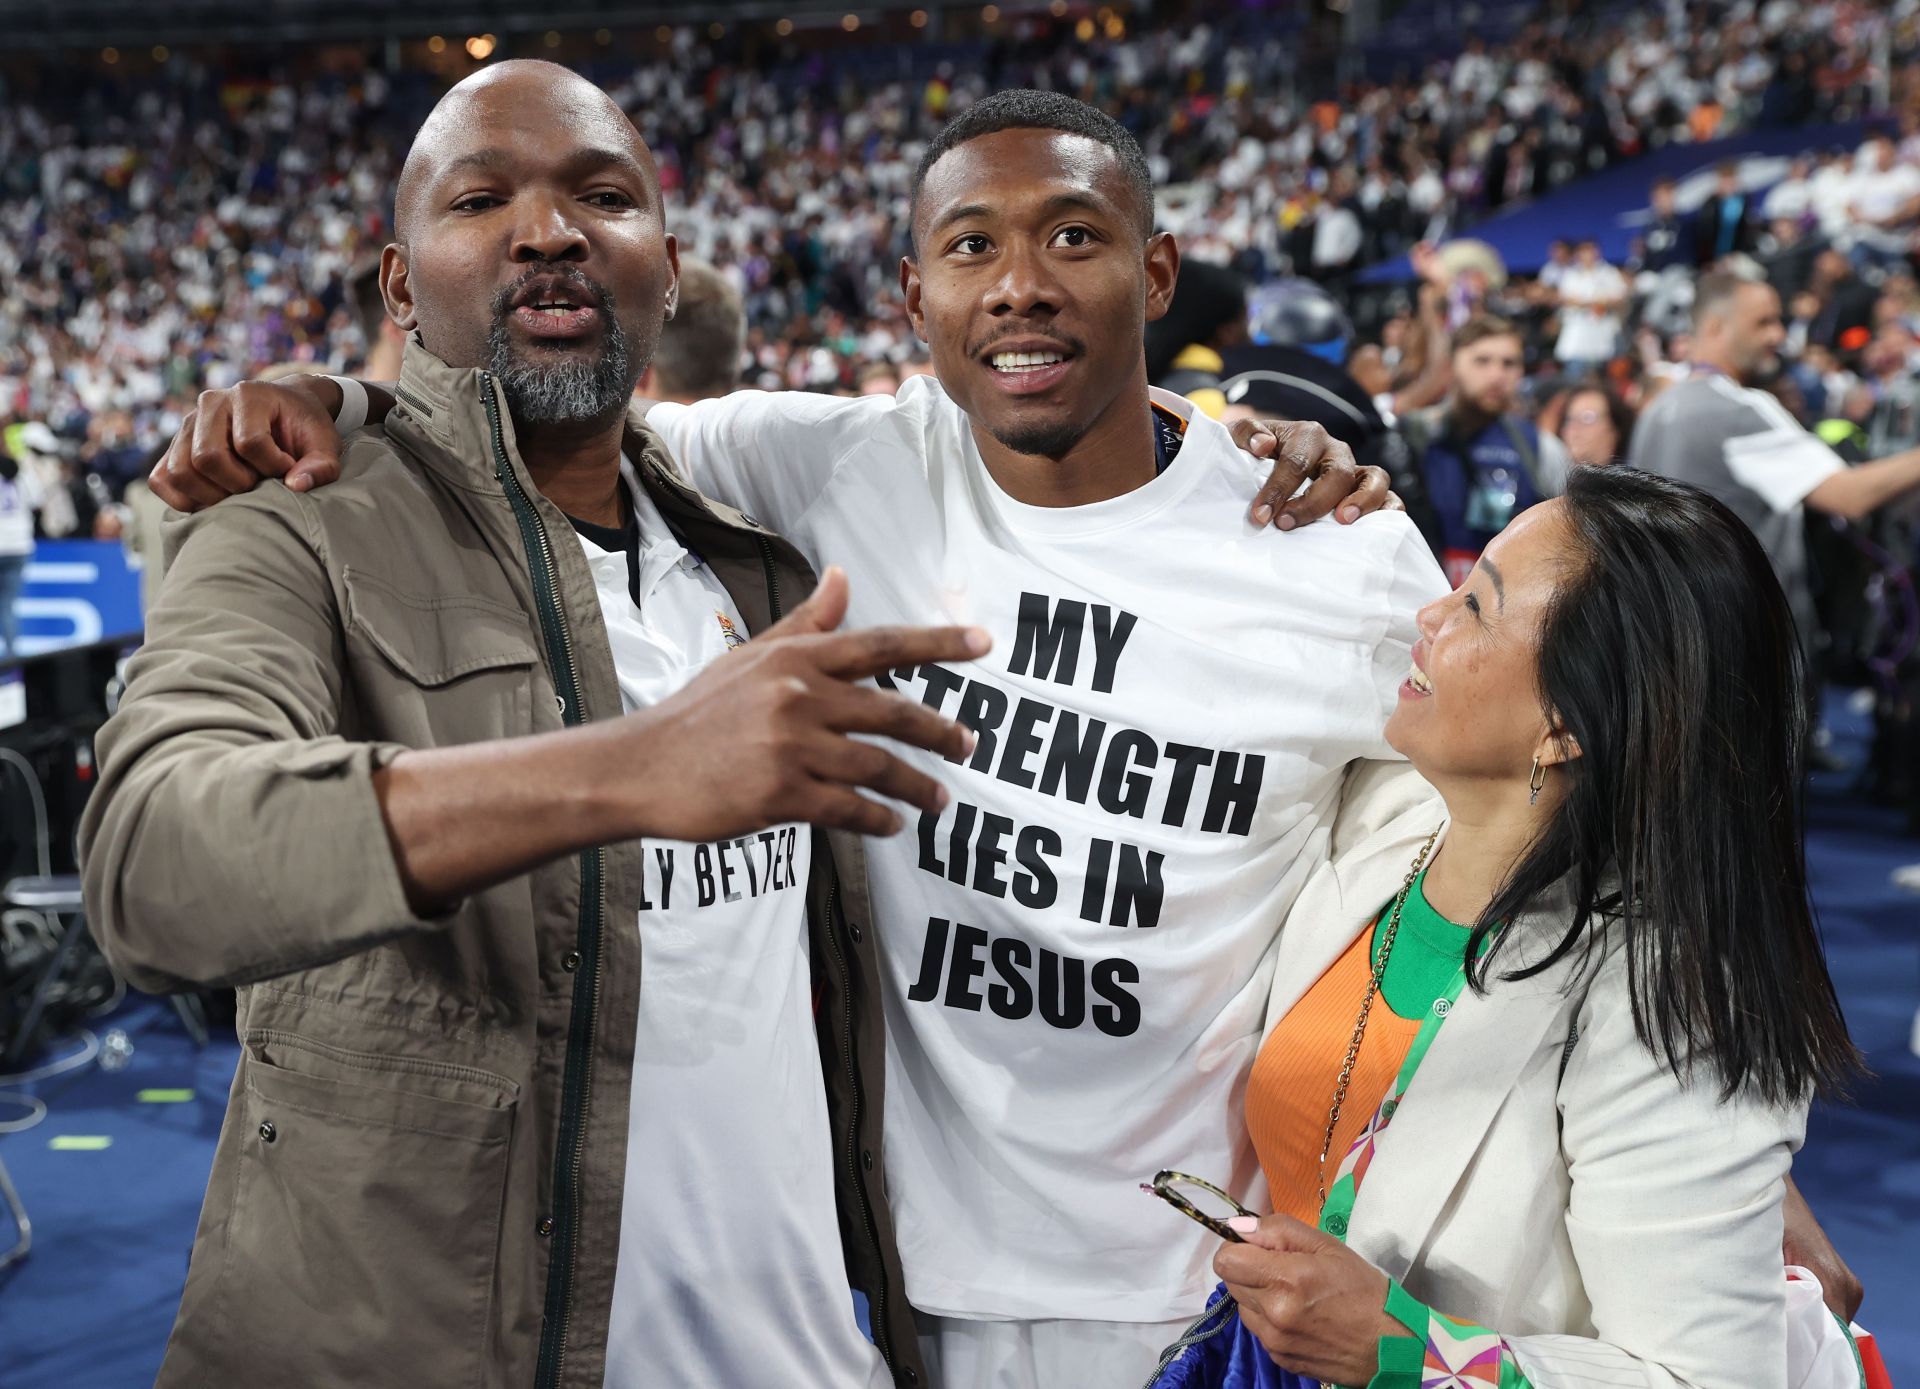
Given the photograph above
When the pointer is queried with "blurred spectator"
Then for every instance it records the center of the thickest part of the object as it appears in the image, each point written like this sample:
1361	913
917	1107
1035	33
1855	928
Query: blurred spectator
1842	304
1480	461
878	378
1592	420
19	498
1885	206
1664	242
1559	262
1832	188
1791	199
1892	422
703	344
1725	224
1208	315
1714	430
48	477
1593	296
385	343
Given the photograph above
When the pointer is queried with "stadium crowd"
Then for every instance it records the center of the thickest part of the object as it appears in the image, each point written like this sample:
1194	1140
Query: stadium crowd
162	236
196	228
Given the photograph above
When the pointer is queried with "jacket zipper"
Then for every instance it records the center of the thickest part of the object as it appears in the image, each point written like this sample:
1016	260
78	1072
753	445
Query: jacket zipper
575	1089
877	1301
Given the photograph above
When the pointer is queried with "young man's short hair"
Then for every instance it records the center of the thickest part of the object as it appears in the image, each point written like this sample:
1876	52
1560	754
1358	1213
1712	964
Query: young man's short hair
701	345
1030	109
1481	327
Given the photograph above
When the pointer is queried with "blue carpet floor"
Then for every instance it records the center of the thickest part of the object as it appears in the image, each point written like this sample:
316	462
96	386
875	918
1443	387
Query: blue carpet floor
90	1307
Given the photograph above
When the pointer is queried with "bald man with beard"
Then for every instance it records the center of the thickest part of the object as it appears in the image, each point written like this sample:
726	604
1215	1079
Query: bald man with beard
464	773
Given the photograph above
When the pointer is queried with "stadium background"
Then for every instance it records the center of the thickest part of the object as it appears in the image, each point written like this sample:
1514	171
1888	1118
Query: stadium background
191	194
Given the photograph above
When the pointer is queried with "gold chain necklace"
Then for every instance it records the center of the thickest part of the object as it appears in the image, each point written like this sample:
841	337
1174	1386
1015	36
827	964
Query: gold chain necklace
1366	1006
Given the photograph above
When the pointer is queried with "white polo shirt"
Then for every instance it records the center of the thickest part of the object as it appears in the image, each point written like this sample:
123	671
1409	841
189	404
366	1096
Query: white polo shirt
730	1269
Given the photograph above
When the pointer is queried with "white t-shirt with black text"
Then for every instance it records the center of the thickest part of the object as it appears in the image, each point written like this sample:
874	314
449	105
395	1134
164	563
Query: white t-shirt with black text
1077	951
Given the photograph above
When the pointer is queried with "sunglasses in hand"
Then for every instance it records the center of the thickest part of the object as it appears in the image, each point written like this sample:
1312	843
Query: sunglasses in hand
1200	1201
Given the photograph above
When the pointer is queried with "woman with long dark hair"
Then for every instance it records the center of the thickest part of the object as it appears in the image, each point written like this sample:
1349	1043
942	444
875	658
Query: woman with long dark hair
1541	1050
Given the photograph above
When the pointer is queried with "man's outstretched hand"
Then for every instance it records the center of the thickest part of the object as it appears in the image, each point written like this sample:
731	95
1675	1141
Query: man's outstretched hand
782	729
1302	451
234	438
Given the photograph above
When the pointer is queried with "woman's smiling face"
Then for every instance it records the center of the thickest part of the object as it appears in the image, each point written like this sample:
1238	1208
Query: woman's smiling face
1470	710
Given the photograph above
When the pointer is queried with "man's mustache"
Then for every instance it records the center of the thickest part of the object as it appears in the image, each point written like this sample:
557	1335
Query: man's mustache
590	289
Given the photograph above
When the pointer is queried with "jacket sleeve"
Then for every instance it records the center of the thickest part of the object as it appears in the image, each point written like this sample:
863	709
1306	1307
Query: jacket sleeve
234	835
1432	1341
1675	1219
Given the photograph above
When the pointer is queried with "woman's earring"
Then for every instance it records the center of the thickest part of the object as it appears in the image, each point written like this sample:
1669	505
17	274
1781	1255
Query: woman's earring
1535	782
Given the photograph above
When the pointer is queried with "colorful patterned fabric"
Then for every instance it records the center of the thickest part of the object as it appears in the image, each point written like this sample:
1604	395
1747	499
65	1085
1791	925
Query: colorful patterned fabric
1441	1353
1359	1156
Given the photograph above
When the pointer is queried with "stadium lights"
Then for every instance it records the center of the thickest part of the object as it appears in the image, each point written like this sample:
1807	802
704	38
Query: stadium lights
1116	28
436	44
783	28
918	19
161	53
1083	30
990	15
109	55
481	46
1059	9
553	38
850	23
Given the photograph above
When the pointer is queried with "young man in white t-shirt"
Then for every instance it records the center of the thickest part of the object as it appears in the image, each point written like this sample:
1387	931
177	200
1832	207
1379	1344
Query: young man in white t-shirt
1076	950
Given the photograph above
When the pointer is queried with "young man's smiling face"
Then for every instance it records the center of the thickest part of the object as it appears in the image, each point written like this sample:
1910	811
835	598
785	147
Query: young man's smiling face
1033	279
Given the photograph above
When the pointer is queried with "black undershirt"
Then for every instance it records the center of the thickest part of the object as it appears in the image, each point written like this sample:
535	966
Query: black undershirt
615	539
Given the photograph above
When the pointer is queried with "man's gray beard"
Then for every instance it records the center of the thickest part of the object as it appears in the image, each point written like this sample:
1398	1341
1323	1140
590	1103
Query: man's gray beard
547	386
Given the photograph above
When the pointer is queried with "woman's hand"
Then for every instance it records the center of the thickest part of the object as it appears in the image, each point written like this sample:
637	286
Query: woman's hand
1318	1307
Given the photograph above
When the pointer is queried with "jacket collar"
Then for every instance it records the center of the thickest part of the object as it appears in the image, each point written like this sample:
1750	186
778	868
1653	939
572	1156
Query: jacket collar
442	412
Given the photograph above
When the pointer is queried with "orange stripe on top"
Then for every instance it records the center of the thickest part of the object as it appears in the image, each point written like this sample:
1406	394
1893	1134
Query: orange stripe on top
1291	1088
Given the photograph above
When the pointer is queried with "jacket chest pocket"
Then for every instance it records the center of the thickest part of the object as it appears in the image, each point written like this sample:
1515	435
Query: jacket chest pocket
364	1234
435	669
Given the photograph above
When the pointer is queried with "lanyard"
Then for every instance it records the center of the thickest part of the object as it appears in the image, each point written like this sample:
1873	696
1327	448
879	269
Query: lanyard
1338	1209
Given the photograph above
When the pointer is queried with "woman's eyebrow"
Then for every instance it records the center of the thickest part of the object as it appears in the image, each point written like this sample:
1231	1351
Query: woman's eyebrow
1499	584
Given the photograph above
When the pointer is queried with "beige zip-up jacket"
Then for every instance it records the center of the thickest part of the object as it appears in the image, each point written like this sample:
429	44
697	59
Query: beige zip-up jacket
419	1180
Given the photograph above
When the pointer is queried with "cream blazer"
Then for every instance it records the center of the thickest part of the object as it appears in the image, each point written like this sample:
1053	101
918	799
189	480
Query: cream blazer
1546	1177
